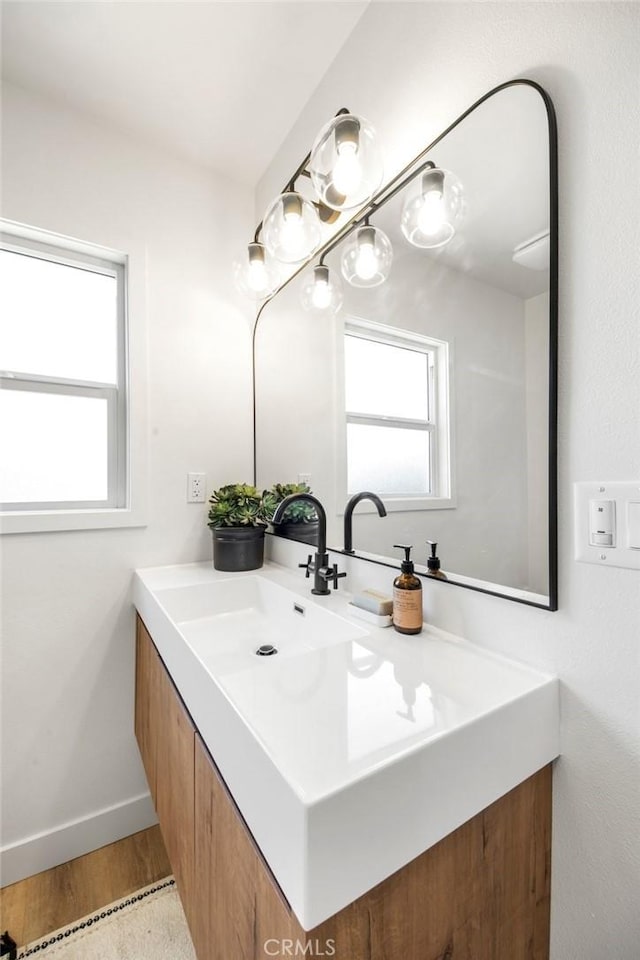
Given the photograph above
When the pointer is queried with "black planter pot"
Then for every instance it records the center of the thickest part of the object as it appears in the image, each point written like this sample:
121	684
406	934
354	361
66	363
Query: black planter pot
238	548
304	532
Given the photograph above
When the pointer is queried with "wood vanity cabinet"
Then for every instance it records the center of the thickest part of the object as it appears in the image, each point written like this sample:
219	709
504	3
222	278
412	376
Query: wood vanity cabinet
166	737
482	893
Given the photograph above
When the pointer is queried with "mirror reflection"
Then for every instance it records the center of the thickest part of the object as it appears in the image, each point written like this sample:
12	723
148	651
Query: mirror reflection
423	375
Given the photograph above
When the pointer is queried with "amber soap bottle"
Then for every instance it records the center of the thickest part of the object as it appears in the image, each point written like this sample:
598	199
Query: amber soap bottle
407	596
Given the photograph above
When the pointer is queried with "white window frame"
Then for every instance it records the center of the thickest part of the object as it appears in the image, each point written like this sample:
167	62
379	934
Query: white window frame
439	425
124	506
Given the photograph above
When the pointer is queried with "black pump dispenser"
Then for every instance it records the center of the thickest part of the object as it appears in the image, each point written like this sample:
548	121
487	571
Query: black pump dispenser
407	564
433	562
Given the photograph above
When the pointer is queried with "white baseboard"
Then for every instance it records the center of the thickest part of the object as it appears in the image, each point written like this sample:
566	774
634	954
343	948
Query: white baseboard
48	849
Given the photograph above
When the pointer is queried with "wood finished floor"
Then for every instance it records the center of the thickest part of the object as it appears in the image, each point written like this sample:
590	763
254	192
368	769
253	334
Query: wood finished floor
34	907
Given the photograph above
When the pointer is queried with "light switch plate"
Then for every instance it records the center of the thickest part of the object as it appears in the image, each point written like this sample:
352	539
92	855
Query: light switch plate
623	496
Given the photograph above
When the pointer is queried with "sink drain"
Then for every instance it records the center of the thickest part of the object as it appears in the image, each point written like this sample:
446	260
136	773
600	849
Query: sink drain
266	650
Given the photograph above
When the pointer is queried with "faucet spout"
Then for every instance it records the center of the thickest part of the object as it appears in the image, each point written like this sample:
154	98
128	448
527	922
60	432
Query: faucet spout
348	515
320	564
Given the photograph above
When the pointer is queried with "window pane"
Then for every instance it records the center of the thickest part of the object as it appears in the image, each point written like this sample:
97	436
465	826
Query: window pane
387	460
54	447
57	320
385	380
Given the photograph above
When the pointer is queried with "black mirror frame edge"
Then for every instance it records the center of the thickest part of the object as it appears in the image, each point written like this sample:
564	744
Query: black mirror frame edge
552	605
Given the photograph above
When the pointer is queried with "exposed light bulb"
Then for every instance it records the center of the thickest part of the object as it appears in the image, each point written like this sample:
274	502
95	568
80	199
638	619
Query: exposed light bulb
291	229
367	257
321	291
321	296
345	163
432	213
293	239
366	263
255	273
257	278
347	172
432	209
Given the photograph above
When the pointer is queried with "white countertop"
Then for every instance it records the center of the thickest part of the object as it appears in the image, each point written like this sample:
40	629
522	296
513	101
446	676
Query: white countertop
348	760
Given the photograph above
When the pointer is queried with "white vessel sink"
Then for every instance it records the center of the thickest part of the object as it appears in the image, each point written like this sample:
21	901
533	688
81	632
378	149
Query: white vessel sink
227	621
353	749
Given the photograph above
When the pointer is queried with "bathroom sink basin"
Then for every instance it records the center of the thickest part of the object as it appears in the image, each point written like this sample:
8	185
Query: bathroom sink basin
353	749
237	623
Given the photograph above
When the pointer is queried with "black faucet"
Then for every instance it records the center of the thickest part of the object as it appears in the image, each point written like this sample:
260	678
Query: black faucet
319	565
348	511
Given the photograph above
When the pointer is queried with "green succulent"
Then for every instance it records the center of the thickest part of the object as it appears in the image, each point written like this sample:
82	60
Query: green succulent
237	505
298	512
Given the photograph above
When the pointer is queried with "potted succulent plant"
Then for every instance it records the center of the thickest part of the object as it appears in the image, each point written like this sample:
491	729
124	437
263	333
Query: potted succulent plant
238	520
300	520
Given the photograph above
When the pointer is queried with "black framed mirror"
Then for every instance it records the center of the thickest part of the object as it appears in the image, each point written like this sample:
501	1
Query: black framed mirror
436	388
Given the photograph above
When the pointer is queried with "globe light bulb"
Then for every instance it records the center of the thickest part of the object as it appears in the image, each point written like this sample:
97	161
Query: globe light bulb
433	208
367	257
255	273
366	260
291	229
432	213
321	292
345	163
321	295
347	172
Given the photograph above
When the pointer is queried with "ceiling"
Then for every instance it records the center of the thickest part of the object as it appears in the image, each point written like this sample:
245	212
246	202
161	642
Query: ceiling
221	83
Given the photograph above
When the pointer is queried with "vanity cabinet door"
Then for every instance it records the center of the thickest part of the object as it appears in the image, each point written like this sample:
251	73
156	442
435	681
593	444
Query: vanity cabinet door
166	737
149	670
175	786
238	903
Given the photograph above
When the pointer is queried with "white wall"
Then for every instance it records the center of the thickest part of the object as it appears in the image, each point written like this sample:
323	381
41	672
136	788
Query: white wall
69	753
412	69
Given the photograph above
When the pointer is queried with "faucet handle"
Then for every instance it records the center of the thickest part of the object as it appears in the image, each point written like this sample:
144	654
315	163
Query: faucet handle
307	566
335	576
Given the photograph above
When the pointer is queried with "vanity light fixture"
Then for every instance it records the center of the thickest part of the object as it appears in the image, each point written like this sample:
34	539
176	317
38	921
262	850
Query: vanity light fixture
433	208
345	170
256	274
367	257
322	291
345	163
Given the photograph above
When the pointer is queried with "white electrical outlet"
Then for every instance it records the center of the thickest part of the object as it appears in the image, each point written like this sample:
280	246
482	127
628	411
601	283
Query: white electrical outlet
196	487
304	478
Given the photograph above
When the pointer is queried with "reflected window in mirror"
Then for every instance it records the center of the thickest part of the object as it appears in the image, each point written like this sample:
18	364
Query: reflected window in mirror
396	416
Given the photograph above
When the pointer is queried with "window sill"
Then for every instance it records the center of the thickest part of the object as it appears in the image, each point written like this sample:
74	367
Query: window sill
53	521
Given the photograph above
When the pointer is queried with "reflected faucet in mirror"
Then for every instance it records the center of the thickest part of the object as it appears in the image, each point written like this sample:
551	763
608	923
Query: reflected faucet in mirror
318	565
348	515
